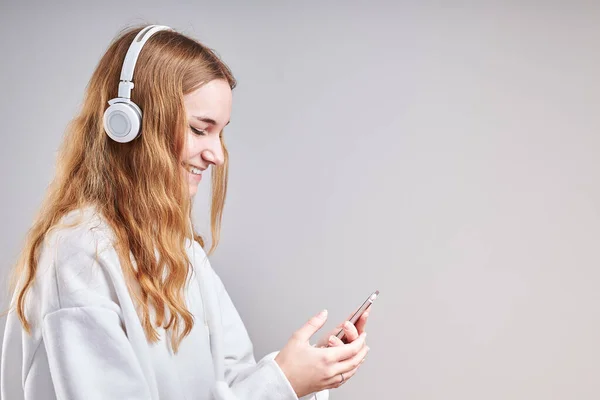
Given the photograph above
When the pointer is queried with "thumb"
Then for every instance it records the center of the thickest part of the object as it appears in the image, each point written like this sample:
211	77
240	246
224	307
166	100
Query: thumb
312	326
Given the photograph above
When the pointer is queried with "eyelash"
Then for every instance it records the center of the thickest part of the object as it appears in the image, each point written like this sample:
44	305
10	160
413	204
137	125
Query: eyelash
198	132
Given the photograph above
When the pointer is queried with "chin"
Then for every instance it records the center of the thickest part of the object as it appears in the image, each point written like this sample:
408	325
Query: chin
193	190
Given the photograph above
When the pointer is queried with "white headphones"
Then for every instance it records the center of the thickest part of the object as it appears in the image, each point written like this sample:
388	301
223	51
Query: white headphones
123	118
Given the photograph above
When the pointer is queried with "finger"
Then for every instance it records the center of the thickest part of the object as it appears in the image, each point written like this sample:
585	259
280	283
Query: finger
360	324
336	381
350	332
348	365
334	341
347	351
311	327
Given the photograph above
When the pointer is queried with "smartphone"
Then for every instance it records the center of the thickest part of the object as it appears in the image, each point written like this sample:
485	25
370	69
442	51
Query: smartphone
360	311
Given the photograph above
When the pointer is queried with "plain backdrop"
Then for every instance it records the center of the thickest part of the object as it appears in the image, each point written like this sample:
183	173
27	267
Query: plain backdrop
445	153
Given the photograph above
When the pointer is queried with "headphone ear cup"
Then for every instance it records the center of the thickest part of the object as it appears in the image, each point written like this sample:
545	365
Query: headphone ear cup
122	121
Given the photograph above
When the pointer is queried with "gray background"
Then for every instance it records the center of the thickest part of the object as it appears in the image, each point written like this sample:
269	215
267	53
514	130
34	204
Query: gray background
443	153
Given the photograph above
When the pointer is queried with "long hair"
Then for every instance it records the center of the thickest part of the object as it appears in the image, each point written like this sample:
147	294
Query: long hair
138	187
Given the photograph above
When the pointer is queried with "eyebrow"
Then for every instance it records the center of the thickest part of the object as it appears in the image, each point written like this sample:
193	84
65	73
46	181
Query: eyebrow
209	120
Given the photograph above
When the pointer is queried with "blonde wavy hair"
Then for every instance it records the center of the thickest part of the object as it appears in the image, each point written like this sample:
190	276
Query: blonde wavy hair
137	184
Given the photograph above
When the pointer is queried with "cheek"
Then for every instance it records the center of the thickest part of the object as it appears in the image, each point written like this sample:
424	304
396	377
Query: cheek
194	146
186	152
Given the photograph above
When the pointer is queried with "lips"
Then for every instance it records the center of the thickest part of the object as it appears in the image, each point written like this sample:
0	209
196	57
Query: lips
189	167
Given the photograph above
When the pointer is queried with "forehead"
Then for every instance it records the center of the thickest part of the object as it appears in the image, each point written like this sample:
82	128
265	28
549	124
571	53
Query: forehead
212	100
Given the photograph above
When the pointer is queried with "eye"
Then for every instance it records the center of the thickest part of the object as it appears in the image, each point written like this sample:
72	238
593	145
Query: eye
197	131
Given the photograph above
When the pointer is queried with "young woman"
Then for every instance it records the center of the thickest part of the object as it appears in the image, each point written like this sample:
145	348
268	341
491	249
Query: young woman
114	296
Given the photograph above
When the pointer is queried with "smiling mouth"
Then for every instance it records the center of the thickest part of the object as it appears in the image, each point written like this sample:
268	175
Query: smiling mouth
192	169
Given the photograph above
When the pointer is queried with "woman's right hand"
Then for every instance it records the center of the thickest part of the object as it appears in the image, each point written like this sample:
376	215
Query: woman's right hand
312	369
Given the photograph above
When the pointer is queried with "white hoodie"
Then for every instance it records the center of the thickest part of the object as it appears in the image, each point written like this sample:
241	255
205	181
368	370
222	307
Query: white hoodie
88	343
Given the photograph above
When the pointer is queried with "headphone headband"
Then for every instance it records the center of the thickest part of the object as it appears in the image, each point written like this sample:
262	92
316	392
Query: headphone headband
126	84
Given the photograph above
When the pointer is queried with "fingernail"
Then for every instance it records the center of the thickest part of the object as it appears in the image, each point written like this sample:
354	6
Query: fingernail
347	325
331	339
322	314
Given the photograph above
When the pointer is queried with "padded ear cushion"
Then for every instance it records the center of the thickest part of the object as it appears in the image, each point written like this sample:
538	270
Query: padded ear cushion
122	121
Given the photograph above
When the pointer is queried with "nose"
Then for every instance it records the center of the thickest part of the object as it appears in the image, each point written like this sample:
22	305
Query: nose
214	153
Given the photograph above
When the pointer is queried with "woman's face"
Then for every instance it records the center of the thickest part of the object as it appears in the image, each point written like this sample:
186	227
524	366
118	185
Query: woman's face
208	109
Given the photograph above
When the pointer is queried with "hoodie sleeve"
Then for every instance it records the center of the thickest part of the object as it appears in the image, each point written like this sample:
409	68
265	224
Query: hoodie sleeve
247	378
89	354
